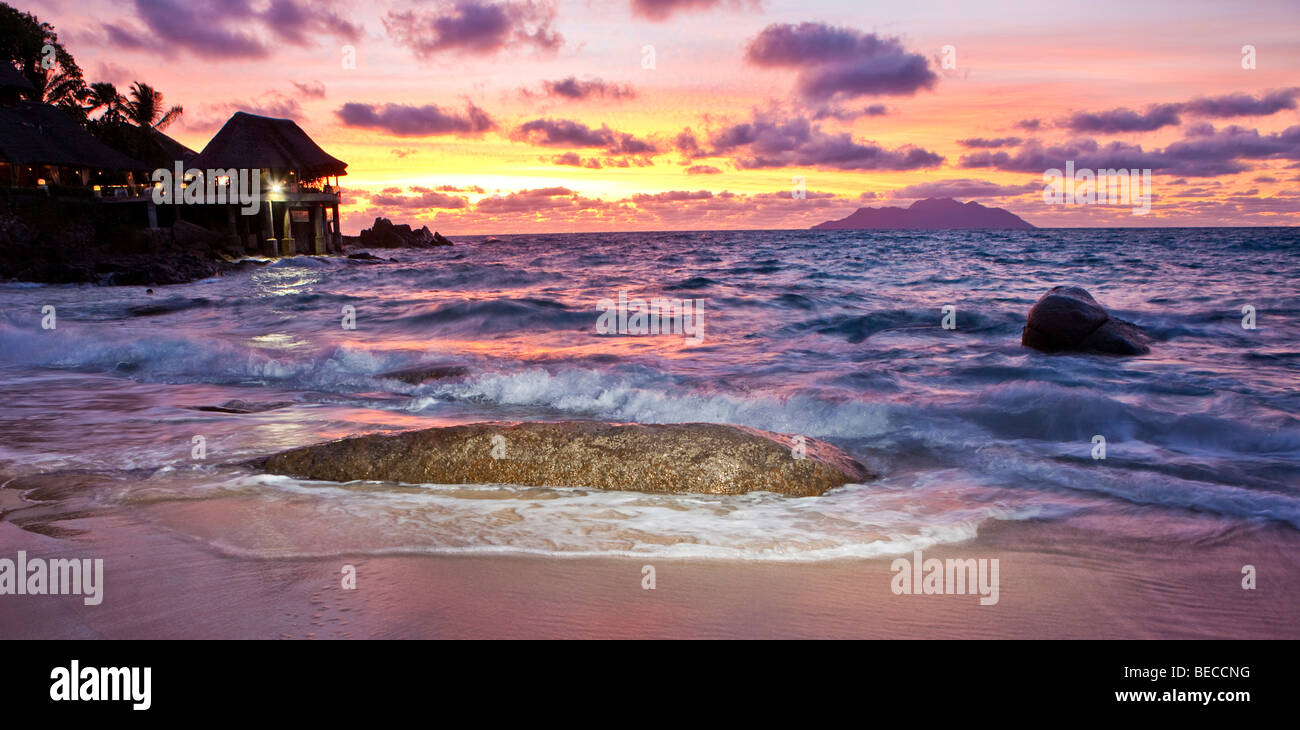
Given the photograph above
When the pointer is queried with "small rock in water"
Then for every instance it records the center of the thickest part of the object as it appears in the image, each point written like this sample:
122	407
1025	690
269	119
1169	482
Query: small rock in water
705	458
243	406
424	373
1067	318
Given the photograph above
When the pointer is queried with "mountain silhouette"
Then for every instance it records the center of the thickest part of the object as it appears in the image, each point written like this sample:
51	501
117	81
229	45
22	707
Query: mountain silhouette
928	213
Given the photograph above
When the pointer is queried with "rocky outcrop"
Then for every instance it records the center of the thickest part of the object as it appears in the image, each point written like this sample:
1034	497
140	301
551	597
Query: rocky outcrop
74	255
689	457
1068	319
72	241
383	234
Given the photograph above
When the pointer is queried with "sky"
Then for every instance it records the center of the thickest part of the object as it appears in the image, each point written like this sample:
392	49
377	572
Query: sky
516	116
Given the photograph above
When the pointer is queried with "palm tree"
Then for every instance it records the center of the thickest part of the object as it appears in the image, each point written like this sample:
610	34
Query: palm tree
26	41
144	108
103	95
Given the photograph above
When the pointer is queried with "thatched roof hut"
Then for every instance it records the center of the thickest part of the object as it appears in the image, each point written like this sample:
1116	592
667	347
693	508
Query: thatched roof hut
249	141
32	133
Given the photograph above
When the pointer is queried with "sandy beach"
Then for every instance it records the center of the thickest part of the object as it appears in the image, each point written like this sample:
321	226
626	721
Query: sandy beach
1091	585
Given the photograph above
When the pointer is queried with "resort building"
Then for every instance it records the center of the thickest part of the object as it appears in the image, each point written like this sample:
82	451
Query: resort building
41	146
299	211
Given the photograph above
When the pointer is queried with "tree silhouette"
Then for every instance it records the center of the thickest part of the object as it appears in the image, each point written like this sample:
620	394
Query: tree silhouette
144	108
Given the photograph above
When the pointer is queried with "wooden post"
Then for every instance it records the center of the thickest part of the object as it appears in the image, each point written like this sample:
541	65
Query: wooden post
286	241
338	230
232	238
318	246
270	246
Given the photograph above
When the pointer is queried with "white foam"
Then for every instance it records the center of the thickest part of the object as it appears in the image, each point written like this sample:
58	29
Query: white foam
621	398
853	521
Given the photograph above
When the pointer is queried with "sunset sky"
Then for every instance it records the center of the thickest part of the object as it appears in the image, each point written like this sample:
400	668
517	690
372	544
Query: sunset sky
527	116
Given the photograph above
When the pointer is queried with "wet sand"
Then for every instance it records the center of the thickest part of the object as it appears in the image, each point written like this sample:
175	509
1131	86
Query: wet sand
1092	584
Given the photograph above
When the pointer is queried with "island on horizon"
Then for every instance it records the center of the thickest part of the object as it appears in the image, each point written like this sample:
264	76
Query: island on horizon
931	213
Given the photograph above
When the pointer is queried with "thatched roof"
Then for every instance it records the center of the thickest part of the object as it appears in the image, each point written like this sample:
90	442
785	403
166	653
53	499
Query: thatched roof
173	149
12	78
148	145
39	134
250	141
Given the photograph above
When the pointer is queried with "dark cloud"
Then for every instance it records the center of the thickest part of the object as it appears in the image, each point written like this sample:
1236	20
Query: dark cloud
300	22
672	196
573	159
310	89
1205	154
424	200
475	27
229	28
1157	116
841	62
765	142
191	26
561	133
416	121
659	10
570	133
703	170
687	145
532	201
1124	120
989	143
1034	156
1029	125
835	111
573	88
1226	147
964	188
1243	105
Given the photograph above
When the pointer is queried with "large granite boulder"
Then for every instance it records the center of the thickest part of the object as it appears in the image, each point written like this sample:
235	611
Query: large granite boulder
687	457
1068	319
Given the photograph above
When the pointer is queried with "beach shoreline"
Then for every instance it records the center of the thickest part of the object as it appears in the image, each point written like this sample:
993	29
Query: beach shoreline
160	585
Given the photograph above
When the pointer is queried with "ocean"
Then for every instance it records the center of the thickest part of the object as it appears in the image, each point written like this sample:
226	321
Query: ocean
835	335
